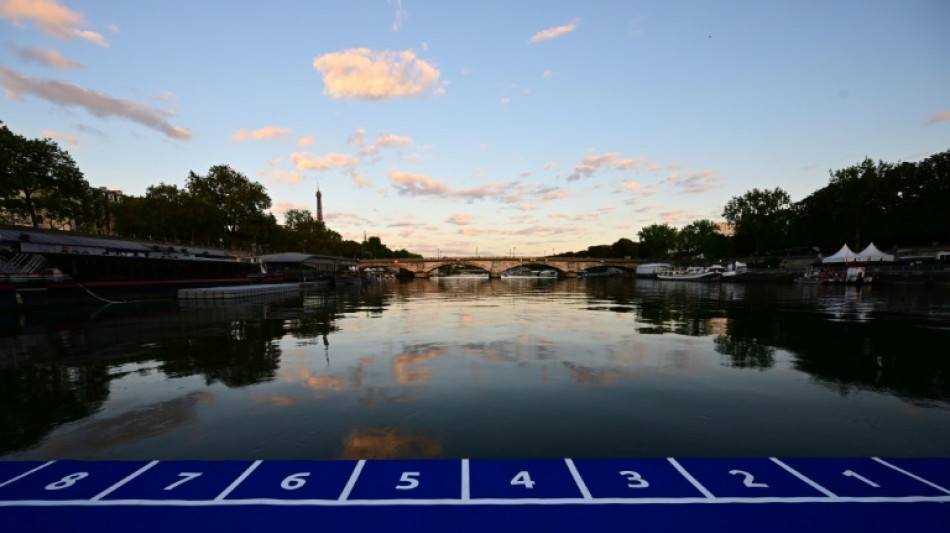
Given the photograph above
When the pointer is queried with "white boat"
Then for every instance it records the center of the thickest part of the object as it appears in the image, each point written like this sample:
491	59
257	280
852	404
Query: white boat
650	270
713	273
526	273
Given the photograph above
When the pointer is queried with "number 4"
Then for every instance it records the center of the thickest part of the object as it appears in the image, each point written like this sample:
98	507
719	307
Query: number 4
524	479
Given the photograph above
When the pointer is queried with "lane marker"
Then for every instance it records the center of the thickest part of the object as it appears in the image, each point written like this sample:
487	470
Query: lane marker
466	484
693	500
239	480
352	481
906	473
690	478
802	477
125	480
23	475
577	479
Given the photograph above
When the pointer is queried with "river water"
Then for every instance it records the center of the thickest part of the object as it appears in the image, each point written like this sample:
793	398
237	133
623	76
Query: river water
487	368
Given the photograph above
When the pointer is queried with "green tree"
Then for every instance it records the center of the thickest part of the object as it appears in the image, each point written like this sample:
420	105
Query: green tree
235	199
38	179
760	218
657	240
702	237
624	247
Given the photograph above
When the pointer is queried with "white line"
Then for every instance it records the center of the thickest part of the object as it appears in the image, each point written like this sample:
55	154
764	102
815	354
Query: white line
577	479
125	480
690	478
352	481
802	477
23	475
238	481
479	501
466	481
906	473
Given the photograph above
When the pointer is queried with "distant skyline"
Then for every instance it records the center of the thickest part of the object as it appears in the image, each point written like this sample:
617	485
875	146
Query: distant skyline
544	127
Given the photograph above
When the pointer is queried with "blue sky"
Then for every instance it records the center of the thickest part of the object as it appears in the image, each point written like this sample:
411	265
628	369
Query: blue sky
451	127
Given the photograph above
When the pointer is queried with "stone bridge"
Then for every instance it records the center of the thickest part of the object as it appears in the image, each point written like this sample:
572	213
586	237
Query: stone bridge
567	267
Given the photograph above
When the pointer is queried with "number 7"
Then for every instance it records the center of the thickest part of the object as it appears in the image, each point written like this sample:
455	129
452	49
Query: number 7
185	476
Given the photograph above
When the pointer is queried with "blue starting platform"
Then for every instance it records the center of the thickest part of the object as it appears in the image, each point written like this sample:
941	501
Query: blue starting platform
656	494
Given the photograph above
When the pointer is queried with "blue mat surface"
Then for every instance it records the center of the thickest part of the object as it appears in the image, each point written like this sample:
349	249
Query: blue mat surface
750	494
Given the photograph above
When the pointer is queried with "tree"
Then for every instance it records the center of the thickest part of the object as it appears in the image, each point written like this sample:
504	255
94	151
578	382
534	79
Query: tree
234	198
702	237
656	240
38	179
759	217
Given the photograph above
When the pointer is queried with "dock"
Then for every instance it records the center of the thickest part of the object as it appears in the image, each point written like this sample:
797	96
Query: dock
238	291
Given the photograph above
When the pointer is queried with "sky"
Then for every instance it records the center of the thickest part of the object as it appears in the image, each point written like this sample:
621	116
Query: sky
490	127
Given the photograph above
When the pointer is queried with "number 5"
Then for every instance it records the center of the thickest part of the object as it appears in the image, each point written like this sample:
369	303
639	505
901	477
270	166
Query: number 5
410	480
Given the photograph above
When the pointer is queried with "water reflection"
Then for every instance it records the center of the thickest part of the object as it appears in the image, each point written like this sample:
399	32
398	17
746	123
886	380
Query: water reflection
479	368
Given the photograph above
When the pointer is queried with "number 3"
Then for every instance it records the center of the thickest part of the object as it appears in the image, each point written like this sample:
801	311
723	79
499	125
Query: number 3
636	481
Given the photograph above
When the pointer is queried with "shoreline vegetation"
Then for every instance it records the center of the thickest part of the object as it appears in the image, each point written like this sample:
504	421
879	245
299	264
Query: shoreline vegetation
895	205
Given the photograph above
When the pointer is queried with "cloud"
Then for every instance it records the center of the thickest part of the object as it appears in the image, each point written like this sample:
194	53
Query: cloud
695	182
940	116
282	177
401	16
556	31
51	17
358	137
593	163
308	161
408	184
99	104
360	182
282	207
47	58
382	141
549	165
305	141
376	75
71	140
269	132
276	161
459	220
392	140
547	74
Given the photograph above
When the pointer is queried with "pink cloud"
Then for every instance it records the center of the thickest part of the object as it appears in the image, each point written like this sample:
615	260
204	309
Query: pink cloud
51	17
376	75
47	58
308	161
459	220
695	182
276	176
940	116
99	104
408	184
554	32
266	133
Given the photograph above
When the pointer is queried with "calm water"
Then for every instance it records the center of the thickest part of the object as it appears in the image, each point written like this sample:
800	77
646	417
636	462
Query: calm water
479	368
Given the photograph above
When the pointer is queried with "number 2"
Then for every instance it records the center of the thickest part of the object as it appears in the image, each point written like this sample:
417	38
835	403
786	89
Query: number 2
748	479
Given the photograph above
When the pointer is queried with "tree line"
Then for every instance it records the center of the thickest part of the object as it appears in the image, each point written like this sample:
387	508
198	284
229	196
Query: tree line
891	204
41	186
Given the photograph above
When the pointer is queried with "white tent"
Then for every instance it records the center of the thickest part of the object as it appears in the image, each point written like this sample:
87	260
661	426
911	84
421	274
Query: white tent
841	256
871	253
